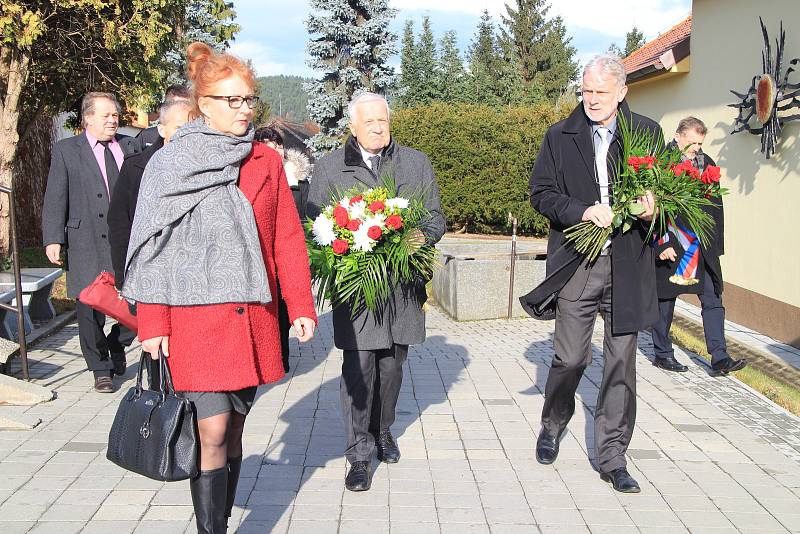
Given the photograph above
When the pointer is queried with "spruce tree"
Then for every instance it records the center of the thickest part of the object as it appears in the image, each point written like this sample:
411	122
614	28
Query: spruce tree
426	50
351	44
634	40
409	67
523	34
560	68
484	63
450	75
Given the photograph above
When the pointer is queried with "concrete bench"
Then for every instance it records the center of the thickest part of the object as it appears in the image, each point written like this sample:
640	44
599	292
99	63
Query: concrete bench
37	284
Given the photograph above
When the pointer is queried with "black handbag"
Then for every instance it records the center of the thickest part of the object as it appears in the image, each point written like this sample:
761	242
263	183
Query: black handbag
155	432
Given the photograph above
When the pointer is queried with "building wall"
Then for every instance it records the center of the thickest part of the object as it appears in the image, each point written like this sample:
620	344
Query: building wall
762	210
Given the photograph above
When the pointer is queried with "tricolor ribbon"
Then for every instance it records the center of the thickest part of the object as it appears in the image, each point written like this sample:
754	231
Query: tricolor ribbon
686	273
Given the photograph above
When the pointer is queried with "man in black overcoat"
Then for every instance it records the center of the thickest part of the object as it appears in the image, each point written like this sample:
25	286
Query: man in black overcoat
572	182
689	137
83	172
151	135
375	345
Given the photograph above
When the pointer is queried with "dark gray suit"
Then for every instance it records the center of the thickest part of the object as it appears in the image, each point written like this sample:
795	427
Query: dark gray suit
370	339
74	215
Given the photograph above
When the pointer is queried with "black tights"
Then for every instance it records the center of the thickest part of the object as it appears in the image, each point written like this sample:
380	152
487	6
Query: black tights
220	439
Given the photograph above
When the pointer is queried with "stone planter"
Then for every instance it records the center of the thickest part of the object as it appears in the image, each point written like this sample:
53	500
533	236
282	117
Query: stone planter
472	282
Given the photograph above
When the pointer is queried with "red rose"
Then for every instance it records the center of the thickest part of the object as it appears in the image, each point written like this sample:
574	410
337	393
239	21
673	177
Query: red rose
353	224
340	246
711	175
341	216
374	232
634	162
375	206
357	198
688	168
394	221
649	160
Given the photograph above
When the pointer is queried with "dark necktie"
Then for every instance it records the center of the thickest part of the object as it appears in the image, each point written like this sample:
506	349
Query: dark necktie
374	162
112	171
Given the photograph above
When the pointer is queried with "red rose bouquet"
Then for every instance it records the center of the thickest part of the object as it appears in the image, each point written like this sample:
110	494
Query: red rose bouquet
366	241
679	189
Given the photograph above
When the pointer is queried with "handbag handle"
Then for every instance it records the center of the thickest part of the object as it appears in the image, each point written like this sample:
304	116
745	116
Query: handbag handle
165	385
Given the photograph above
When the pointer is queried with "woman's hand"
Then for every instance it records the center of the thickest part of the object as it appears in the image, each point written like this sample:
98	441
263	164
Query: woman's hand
154	343
304	328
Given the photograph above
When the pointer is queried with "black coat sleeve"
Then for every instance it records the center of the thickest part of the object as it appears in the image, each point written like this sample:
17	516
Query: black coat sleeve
547	196
120	217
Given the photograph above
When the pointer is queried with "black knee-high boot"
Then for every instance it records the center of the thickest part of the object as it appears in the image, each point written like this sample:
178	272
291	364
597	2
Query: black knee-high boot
209	493
234	468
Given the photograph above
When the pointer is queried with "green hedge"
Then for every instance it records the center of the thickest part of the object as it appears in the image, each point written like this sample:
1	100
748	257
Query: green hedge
483	157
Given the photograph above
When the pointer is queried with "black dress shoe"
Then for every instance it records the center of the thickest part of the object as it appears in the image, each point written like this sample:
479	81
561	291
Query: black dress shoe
388	451
669	363
621	480
546	448
358	478
728	365
103	384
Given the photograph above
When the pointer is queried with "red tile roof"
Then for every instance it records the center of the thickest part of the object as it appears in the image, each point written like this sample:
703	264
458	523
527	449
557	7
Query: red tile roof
649	54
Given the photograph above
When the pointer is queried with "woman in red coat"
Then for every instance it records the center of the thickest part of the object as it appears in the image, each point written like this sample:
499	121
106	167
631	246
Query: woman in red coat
215	230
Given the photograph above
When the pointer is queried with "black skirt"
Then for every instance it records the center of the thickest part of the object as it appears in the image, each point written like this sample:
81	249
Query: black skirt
211	403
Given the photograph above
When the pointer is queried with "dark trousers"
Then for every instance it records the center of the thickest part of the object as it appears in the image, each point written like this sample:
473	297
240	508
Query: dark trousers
713	323
615	412
369	389
98	349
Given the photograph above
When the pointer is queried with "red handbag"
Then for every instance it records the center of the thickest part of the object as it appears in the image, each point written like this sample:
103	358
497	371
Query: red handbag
103	296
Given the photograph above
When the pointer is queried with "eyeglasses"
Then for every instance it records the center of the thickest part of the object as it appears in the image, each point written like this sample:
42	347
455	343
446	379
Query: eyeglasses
235	102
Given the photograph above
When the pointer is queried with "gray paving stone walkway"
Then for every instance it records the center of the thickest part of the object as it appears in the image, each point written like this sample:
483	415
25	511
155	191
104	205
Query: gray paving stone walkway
711	455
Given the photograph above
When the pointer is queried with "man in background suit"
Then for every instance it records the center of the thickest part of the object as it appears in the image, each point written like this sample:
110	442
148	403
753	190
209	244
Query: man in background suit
83	171
375	345
151	135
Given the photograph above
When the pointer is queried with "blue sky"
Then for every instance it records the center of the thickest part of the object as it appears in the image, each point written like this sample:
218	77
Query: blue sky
274	36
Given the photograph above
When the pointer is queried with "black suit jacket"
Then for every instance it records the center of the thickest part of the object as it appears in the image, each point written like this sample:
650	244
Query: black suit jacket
563	185
75	208
123	206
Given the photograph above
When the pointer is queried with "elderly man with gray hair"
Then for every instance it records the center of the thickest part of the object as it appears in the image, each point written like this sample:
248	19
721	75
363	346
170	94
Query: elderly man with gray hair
375	345
572	182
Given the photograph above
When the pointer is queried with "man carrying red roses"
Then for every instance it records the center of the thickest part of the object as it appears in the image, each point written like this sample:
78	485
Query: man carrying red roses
672	257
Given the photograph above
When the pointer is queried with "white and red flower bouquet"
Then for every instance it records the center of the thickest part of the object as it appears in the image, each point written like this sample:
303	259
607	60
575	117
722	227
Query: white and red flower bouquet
364	243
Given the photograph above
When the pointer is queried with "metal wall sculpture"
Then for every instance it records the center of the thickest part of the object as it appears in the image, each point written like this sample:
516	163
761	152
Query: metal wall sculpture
770	94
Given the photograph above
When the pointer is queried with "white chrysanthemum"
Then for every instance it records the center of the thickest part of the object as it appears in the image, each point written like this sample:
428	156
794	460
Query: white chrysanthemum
361	241
323	231
397	202
345	202
357	210
375	220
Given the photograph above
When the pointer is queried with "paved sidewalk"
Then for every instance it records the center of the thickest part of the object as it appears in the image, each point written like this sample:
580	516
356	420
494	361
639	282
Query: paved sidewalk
711	455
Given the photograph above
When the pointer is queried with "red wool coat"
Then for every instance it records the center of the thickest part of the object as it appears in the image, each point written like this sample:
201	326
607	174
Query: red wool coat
225	347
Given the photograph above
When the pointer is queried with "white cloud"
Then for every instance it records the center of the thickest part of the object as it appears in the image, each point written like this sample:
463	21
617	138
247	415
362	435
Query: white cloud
609	17
262	56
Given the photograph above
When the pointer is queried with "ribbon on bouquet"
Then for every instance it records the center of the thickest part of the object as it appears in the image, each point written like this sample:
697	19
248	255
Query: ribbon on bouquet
686	273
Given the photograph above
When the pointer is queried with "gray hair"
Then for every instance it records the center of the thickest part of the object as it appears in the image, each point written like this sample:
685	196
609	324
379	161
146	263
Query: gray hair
364	97
88	104
692	123
170	105
608	65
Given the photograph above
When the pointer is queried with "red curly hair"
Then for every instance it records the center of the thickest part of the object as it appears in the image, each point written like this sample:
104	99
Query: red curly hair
206	67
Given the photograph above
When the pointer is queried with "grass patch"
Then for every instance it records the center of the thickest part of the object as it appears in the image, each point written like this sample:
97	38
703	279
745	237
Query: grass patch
35	257
782	394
